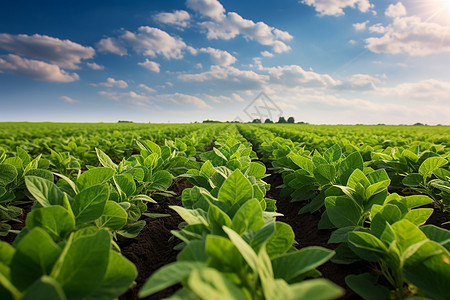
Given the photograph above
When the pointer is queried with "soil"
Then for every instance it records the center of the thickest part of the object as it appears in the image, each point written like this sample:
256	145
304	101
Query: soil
306	231
153	247
26	208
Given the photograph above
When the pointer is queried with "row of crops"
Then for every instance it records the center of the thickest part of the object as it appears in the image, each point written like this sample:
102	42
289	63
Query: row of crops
70	196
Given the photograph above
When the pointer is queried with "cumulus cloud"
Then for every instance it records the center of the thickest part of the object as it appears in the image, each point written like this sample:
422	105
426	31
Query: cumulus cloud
147	88
395	10
425	90
266	54
62	53
111	45
68	99
219	57
237	97
410	35
226	26
35	69
230	78
95	66
188	99
150	65
111	82
359	82
178	18
336	7
294	76
360	26
377	28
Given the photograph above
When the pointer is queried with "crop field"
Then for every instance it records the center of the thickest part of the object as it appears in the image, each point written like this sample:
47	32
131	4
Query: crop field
224	211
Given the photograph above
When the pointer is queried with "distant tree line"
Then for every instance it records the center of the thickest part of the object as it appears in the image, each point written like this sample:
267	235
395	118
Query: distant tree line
281	120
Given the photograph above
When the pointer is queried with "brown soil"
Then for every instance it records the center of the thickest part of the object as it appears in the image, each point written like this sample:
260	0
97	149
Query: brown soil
26	208
438	218
152	249
306	231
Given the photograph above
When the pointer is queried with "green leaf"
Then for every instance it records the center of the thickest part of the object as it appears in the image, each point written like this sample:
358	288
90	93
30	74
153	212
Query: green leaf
367	241
325	174
223	255
358	177
35	256
83	264
208	284
437	234
93	177
281	240
114	216
315	289
412	179
55	220
407	234
293	264
46	288
105	160
89	204
303	162
168	275
236	189
191	216
365	285
257	169
333	153
419	216
342	211
161	181
44	191
248	217
431	164
125	183
119	276
46	174
246	251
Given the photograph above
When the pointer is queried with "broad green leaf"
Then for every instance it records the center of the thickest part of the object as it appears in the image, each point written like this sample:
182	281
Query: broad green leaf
358	177
246	251
407	234
365	285
83	264
217	218
114	216
35	256
412	179
303	162
161	181
44	191
419	216
168	275
125	183
315	289
293	264
248	217
194	251
367	241
46	174
325	174
333	153
223	254
46	288
88	205
236	189
431	164
257	238
105	160
119	276
281	240
191	216
257	169
210	284
437	234
24	156
342	211
55	220
93	177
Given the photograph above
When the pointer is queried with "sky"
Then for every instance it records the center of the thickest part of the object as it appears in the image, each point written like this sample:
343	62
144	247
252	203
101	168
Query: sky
319	61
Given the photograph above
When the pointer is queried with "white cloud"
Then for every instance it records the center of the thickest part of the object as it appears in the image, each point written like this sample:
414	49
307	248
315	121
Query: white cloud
429	90
266	54
219	57
111	82
352	42
360	26
229	78
111	45
179	18
68	99
111	95
377	28
35	69
196	101
63	53
412	36
359	82
152	41
237	97
147	88
336	7
395	10
95	66
294	76
229	25
150	65
210	8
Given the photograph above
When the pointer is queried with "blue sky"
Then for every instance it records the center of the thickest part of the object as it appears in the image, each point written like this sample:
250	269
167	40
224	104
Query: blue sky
320	61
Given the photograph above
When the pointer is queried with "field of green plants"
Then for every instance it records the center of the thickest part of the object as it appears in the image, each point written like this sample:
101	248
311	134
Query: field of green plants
224	211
